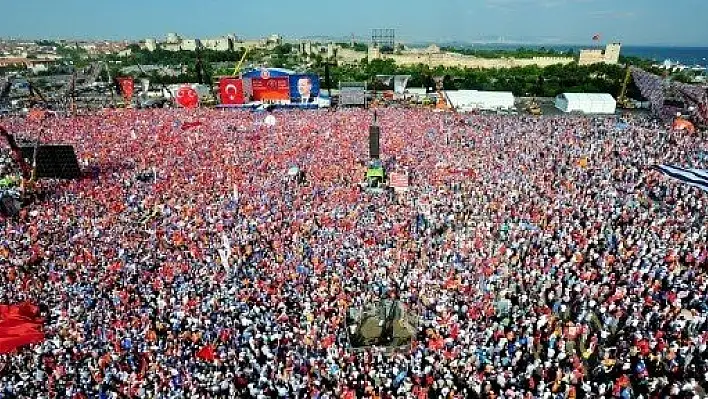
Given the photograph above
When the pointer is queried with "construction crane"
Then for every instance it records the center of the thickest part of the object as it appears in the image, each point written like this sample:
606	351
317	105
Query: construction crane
5	90
26	169
622	100
237	68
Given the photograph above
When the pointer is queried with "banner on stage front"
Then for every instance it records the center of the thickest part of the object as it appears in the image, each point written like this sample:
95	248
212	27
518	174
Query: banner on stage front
271	89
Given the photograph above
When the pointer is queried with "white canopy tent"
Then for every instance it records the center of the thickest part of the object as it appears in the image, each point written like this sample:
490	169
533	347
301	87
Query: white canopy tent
587	103
466	100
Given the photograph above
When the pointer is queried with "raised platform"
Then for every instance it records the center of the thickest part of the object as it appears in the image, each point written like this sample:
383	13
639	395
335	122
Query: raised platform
256	106
370	325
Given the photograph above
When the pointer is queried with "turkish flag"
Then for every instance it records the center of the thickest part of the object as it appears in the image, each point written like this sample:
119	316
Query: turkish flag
127	85
231	91
207	353
20	325
187	97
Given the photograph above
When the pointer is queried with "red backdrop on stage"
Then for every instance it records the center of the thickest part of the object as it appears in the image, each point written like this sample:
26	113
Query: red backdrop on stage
231	91
272	89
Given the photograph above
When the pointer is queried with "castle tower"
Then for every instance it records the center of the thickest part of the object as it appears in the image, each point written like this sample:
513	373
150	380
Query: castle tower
612	53
374	53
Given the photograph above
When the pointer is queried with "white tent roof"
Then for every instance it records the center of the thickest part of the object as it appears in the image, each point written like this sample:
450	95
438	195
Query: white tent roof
600	103
419	91
474	99
595	97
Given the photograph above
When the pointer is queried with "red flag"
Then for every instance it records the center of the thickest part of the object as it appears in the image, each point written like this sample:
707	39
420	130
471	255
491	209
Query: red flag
231	91
36	114
187	97
189	125
207	353
20	325
127	85
683	124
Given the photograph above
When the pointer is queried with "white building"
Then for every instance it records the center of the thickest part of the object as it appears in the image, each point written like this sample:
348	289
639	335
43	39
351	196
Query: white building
174	42
191	44
275	39
218	44
586	103
150	44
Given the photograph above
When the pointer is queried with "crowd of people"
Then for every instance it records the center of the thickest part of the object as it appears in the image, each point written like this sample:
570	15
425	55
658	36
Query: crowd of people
542	257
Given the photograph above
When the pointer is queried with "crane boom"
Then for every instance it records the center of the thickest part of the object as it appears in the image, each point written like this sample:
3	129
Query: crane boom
16	154
622	99
237	68
5	89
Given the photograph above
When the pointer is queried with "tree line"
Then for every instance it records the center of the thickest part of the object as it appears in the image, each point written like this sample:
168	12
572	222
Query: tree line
522	81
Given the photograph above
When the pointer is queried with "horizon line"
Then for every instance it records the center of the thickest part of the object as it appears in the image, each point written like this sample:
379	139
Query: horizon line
347	39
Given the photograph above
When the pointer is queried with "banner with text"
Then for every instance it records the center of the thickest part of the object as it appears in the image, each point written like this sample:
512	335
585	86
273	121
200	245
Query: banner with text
271	89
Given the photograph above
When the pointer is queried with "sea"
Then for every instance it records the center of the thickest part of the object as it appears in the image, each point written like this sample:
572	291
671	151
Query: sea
690	56
683	55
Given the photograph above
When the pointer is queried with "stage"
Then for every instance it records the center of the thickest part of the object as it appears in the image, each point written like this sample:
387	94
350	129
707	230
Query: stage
258	106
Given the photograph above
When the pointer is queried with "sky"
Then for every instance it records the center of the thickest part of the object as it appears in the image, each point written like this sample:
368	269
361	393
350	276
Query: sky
632	22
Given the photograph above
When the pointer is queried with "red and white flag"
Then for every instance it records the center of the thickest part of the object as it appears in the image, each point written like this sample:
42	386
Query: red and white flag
187	97
231	91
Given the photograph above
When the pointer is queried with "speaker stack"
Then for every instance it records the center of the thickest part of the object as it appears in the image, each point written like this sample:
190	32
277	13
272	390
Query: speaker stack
374	136
10	206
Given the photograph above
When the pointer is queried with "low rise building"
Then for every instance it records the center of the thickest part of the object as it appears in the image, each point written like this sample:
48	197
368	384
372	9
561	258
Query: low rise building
218	44
175	42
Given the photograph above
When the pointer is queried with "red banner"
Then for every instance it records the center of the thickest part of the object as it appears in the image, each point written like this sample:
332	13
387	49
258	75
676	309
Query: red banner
231	91
271	89
187	97
20	325
127	86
